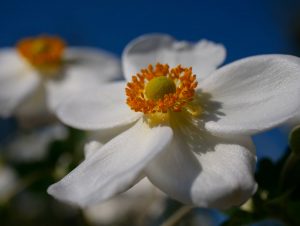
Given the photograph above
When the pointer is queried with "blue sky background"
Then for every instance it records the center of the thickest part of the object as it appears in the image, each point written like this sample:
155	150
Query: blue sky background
245	27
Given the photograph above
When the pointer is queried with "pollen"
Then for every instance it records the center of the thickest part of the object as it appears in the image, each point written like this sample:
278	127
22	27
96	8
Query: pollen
159	89
43	52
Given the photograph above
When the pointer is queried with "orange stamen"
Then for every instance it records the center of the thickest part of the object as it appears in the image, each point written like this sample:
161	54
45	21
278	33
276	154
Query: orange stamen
183	78
43	52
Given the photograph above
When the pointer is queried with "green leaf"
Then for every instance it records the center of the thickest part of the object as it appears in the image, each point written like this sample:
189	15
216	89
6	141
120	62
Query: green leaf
294	140
267	176
290	175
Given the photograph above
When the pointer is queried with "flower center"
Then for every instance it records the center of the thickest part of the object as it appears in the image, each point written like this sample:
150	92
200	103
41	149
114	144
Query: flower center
44	53
161	90
158	87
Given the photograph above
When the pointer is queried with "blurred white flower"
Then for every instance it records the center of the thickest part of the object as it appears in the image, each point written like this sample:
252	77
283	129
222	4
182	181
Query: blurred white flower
40	72
192	143
8	182
32	146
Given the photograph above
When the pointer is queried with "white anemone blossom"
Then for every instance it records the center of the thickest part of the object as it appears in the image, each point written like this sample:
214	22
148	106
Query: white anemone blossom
192	141
40	72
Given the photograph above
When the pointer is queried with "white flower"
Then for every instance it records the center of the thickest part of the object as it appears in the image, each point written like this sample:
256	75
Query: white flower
32	146
202	155
40	72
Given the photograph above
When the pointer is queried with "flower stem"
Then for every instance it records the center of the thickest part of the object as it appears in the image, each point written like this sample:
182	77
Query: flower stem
175	218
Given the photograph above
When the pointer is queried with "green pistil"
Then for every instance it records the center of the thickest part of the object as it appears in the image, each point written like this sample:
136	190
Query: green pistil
158	87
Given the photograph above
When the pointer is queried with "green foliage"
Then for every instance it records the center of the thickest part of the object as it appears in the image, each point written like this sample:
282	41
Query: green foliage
278	194
294	140
34	179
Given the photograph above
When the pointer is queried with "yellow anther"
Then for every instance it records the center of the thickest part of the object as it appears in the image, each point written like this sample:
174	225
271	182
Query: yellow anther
193	109
157	118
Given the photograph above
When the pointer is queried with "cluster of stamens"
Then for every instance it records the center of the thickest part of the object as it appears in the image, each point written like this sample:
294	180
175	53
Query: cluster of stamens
160	89
43	52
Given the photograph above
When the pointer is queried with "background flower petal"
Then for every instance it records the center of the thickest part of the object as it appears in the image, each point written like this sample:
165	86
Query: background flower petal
17	81
141	198
34	107
33	146
84	68
113	168
253	94
204	56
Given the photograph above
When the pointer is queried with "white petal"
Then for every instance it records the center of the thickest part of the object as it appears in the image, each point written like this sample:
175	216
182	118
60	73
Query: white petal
101	108
17	81
94	64
91	148
253	94
114	168
203	170
294	121
204	56
141	199
84	68
35	105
